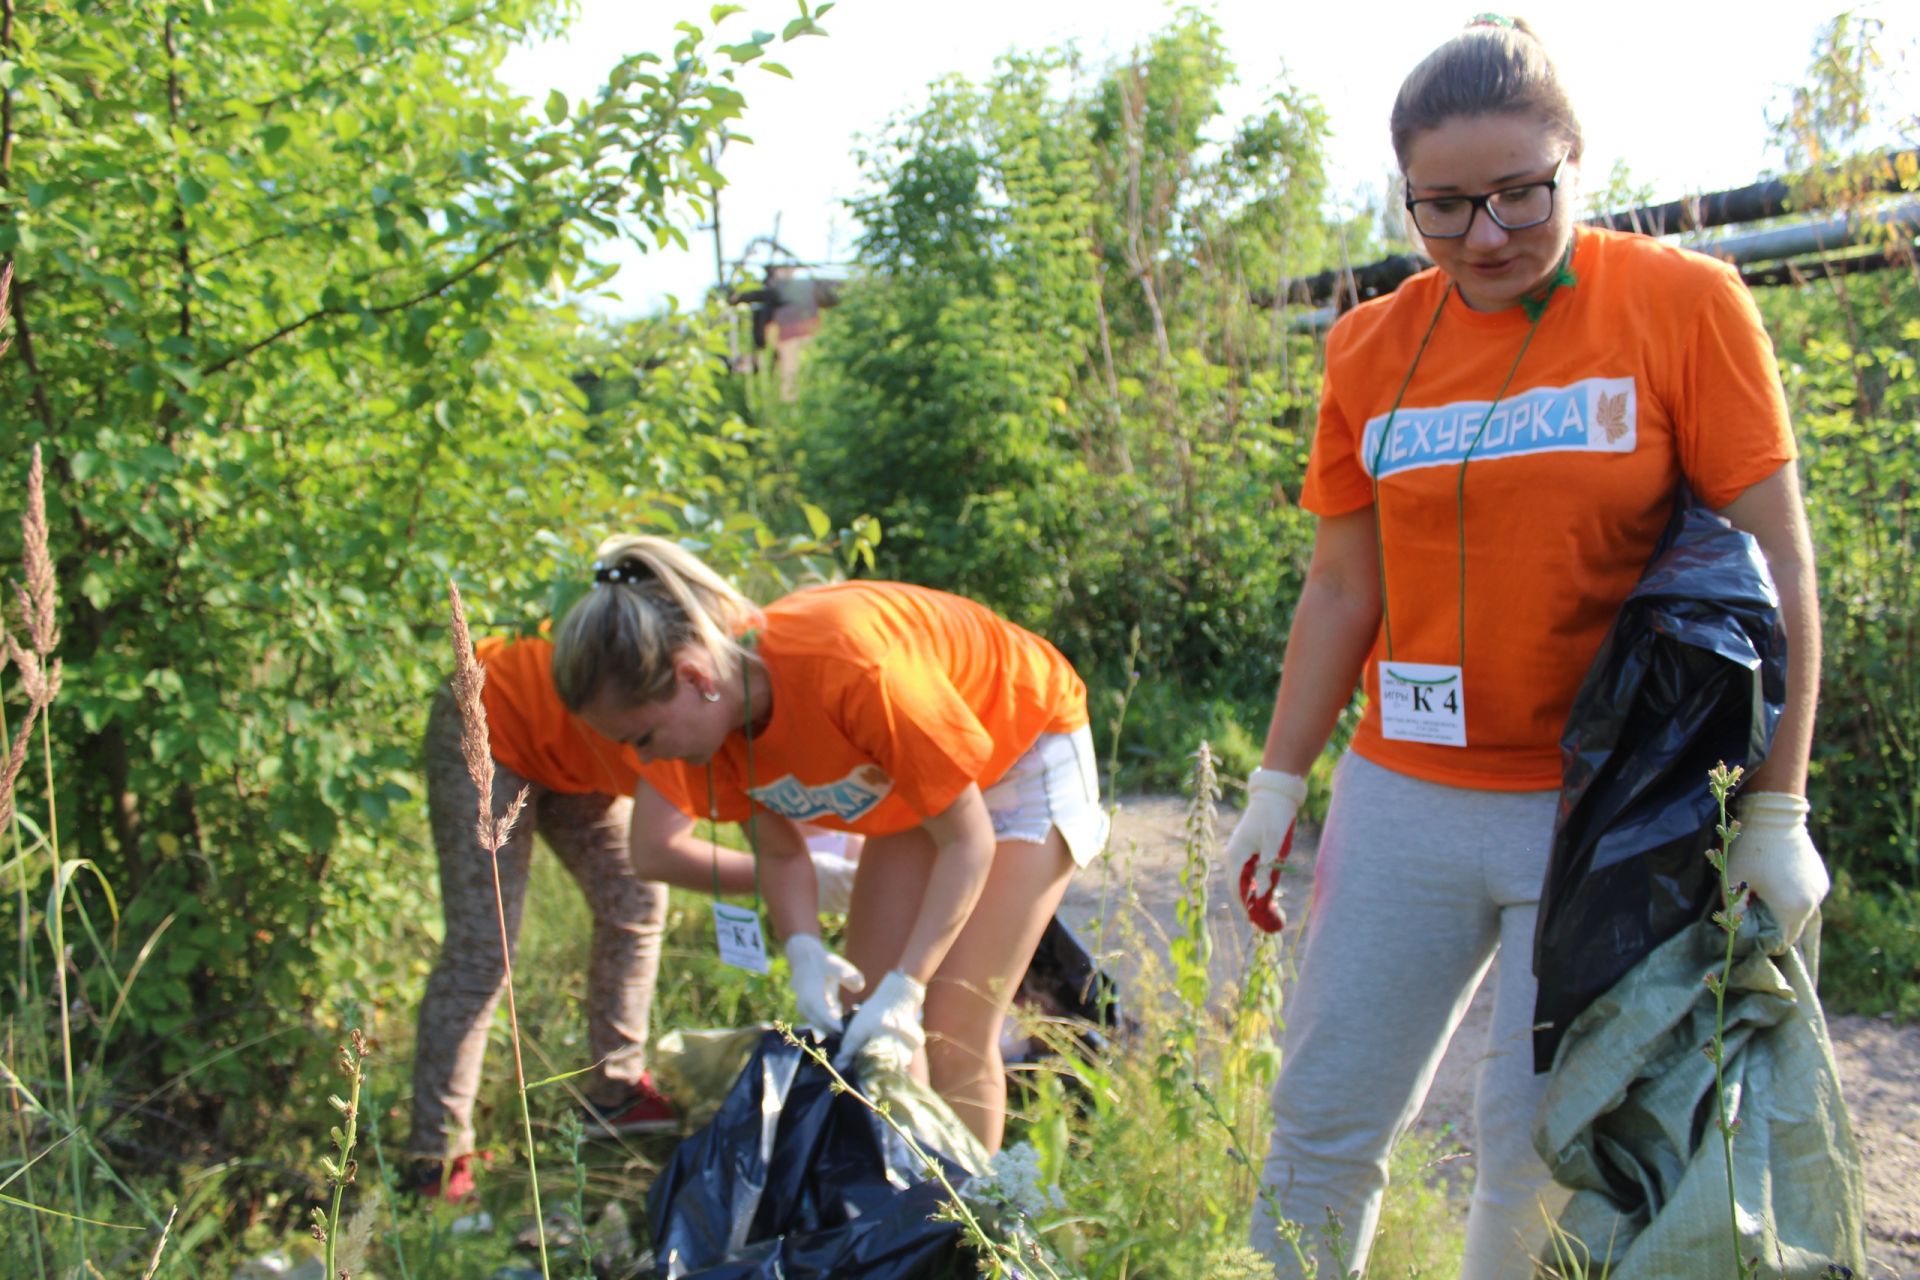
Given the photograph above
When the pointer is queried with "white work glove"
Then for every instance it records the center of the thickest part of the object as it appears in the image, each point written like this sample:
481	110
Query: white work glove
1262	840
1775	856
887	1024
833	877
818	976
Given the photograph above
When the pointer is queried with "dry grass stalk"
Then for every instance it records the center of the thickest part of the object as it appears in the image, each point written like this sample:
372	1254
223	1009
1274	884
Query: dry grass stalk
40	671
6	311
38	598
468	680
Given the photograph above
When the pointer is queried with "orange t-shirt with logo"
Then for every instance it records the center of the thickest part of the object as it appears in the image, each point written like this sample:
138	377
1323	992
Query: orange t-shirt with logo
888	701
532	732
1652	367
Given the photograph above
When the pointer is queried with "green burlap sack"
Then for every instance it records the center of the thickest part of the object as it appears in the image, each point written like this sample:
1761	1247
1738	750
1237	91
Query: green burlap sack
1630	1123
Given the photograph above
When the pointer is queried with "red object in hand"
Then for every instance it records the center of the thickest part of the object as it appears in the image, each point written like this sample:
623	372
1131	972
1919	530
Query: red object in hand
1263	907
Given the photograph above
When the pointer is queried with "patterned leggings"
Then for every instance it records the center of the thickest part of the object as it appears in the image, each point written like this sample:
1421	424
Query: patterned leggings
589	833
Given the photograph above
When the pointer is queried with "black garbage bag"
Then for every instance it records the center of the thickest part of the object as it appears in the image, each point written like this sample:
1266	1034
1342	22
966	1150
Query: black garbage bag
793	1181
1063	983
1693	673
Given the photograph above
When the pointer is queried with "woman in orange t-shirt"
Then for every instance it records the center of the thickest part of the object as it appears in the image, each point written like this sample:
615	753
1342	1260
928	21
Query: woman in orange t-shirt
579	798
1499	445
954	741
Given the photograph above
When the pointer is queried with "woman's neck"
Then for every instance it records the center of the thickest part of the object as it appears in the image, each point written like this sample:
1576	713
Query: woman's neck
757	711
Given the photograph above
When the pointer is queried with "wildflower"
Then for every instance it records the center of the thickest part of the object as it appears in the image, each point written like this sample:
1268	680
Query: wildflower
1015	1182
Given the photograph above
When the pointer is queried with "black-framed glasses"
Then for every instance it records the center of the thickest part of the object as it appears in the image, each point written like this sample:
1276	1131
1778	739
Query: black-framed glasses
1511	208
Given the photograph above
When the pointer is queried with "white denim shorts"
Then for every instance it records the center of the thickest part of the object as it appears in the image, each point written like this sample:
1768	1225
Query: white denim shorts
1055	784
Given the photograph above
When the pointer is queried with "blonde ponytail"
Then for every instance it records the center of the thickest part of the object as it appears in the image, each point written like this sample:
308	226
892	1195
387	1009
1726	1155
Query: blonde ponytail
651	600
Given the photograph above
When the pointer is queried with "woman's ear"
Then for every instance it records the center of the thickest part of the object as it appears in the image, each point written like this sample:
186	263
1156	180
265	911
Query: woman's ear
690	670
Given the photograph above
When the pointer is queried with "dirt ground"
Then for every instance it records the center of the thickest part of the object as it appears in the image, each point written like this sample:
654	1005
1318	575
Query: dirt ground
1879	1061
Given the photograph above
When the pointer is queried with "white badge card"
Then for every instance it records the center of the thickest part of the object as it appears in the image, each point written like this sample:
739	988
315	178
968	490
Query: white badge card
741	943
1422	702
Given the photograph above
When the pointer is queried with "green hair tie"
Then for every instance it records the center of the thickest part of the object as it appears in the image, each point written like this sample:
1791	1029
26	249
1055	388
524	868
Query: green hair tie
1491	20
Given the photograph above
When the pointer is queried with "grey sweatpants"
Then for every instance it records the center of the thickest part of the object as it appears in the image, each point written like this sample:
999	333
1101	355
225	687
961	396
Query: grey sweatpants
1418	889
589	833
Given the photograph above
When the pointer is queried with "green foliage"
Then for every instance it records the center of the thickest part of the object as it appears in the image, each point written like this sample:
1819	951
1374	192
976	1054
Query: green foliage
1155	1145
285	321
1870	948
1850	358
1052	385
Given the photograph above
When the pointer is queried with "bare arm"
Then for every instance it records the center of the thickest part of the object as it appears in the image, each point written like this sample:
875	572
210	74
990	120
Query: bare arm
664	846
963	854
786	875
1773	513
1333	630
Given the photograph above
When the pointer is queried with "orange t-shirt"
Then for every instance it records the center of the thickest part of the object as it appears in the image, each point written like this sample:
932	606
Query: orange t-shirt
888	701
532	732
1654	365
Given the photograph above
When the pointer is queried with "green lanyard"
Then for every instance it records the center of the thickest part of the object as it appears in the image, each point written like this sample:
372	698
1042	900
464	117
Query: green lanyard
1535	308
713	805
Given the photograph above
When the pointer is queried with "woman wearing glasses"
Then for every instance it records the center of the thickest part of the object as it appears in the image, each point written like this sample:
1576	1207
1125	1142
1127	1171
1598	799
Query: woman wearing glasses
1499	446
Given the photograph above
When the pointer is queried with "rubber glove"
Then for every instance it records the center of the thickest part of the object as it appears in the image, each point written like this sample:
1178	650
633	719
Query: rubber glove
1775	856
887	1024
833	876
1262	841
817	976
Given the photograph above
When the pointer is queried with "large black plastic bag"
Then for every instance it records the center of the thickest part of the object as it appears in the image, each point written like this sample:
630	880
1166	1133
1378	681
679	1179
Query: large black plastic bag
1693	673
794	1181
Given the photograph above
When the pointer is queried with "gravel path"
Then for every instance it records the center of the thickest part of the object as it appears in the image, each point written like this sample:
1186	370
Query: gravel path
1879	1061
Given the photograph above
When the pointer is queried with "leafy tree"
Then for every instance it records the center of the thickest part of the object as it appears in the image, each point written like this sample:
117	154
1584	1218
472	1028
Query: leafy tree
1052	384
286	326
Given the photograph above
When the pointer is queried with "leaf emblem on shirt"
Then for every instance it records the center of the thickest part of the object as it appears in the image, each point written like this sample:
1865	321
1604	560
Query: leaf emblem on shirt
1612	415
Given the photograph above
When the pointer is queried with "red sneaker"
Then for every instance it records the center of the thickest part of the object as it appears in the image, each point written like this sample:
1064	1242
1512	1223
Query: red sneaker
452	1180
644	1110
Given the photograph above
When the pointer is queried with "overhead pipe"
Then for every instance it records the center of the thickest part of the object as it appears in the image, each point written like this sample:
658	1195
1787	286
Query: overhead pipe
1761	200
1777	246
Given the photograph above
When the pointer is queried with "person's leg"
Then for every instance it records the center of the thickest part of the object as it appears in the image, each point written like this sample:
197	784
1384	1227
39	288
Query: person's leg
468	976
1049	791
1047	819
1514	1195
967	1000
589	833
887	890
1399	929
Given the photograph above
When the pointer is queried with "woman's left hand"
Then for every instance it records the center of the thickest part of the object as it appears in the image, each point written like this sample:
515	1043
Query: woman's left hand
1775	856
887	1024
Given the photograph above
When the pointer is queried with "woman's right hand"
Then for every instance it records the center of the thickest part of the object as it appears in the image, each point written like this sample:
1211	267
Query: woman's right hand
1262	840
818	977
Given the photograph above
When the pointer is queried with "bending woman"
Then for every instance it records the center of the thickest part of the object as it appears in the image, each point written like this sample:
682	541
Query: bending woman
1499	446
954	741
580	801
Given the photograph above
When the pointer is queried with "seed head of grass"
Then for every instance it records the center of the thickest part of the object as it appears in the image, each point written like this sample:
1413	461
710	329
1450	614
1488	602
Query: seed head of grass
468	680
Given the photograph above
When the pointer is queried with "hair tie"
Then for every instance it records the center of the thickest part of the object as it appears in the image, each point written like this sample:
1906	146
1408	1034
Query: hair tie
614	573
1491	20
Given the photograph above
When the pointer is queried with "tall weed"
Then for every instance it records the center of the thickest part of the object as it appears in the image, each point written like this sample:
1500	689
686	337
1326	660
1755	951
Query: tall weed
1146	1136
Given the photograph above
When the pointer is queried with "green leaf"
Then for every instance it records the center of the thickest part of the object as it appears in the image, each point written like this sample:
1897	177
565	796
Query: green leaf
190	190
274	137
556	107
721	12
777	69
817	520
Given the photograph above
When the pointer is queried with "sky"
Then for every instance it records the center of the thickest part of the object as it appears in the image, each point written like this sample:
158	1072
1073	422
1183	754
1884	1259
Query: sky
1680	90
